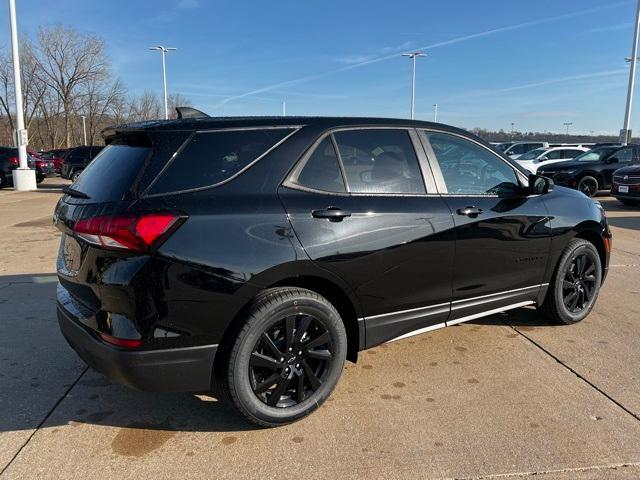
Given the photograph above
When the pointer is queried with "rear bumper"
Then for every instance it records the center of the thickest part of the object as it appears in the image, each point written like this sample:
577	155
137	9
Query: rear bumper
187	369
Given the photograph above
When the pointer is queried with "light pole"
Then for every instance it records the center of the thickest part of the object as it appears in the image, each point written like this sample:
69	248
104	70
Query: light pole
435	112
512	128
164	51
632	79
24	178
413	57
284	108
567	124
84	128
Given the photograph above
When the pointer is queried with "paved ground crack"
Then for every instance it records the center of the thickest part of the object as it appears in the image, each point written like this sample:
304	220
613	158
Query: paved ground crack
42	422
612	466
577	374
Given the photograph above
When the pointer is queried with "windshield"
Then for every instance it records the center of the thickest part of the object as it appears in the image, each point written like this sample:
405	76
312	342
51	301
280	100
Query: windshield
533	154
503	146
595	155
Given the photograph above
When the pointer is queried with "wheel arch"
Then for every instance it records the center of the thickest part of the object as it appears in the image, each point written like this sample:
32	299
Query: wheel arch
340	300
593	236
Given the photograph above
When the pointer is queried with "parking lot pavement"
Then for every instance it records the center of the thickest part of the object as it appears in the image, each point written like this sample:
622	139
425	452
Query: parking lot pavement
506	396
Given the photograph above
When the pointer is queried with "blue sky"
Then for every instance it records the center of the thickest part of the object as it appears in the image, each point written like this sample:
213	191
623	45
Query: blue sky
535	63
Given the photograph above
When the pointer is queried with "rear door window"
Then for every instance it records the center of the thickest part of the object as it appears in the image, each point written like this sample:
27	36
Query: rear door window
322	170
380	161
210	158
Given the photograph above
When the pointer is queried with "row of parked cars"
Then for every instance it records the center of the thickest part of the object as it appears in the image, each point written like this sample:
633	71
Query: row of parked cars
68	162
589	168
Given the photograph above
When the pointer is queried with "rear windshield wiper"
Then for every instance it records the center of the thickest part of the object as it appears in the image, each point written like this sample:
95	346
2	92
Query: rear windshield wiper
75	193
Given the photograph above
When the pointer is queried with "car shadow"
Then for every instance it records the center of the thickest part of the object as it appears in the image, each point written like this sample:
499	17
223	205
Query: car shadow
44	383
521	317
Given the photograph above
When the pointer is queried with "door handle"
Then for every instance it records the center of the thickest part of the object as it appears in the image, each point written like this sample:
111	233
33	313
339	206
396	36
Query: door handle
470	211
333	214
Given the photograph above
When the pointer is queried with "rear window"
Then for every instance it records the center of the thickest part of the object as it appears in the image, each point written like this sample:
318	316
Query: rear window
213	157
111	174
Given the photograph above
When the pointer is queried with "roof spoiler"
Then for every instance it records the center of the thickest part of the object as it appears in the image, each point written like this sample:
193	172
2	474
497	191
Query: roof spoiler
189	112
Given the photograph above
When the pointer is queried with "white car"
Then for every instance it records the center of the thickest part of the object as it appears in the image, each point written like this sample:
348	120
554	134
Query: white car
533	159
515	149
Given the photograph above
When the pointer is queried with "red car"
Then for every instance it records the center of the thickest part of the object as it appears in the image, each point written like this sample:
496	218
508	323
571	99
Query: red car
44	168
626	185
56	156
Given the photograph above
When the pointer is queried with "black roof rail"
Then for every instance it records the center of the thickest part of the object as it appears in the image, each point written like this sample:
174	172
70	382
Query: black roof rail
190	112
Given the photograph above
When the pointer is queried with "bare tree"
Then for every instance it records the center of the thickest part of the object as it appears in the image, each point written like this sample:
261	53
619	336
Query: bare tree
68	60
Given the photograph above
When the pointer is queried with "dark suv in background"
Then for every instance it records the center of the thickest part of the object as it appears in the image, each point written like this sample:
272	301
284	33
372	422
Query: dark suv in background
253	256
76	160
593	170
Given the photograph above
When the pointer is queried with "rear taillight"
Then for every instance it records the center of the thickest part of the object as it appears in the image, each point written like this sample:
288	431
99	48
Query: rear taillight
14	160
120	342
138	233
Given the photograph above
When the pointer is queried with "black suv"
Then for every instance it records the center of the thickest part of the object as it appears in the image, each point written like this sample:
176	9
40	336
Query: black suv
76	160
593	170
251	257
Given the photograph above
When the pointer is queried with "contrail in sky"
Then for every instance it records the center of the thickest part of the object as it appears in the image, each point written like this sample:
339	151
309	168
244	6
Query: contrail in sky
464	38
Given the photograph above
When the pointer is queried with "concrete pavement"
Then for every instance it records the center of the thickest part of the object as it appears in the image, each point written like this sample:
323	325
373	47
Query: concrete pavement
505	397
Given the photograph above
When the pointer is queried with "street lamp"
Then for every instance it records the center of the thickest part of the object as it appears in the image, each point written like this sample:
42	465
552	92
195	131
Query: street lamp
512	128
84	128
435	112
164	51
632	78
24	178
413	57
567	124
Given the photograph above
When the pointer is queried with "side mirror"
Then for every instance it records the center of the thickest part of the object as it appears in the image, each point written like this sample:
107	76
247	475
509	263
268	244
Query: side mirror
543	159
539	185
611	160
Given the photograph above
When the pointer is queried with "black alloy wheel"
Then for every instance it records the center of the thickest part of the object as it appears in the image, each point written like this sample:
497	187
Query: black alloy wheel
575	284
290	360
286	358
589	186
579	284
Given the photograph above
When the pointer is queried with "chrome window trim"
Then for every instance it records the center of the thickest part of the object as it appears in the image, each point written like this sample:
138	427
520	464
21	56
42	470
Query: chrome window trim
291	180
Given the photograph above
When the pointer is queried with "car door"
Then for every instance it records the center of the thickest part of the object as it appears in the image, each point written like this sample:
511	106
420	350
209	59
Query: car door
502	236
363	204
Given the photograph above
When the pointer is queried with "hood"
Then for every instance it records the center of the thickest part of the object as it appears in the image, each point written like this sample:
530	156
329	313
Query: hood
568	165
630	170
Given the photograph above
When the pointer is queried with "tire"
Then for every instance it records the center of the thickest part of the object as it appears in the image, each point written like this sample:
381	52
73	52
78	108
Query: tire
589	185
628	202
74	176
261	376
3	181
573	277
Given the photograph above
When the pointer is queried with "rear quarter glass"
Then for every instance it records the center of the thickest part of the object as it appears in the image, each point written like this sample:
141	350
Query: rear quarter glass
210	158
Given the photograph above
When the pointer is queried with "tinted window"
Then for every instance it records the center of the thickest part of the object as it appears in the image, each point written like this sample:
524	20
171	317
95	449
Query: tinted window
119	163
554	155
533	154
322	170
572	153
623	155
379	161
596	154
213	157
468	168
